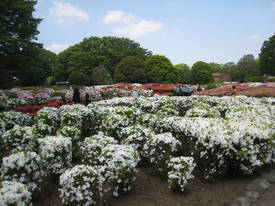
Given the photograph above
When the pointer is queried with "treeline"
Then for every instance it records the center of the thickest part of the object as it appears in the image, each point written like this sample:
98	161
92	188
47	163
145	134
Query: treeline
103	60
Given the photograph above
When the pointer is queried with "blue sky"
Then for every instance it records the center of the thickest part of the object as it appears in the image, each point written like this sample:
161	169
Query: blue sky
185	31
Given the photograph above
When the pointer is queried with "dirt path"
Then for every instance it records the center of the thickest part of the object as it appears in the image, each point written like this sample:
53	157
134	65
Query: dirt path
150	190
268	198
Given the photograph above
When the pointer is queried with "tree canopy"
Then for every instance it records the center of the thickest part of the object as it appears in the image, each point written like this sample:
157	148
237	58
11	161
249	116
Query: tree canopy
247	67
18	29
78	78
267	56
95	51
202	73
160	69
130	69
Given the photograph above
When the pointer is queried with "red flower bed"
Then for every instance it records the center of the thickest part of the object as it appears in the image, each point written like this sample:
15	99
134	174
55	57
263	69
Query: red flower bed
33	109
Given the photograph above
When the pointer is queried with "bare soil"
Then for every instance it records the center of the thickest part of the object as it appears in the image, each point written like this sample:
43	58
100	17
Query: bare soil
151	190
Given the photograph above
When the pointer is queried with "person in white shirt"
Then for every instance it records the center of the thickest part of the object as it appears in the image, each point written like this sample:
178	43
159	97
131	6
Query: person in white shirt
135	93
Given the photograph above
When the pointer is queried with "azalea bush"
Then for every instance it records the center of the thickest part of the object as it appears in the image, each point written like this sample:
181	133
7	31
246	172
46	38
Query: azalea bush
56	153
81	185
113	124
41	130
92	147
24	167
120	163
12	118
19	137
14	193
161	149
49	116
139	137
180	173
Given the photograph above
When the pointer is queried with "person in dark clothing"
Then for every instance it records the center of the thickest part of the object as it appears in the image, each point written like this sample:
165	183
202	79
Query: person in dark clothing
87	98
76	96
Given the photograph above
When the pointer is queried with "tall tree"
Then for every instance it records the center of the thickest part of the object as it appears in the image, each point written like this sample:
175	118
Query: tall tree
202	72
95	51
247	66
100	76
267	56
18	29
160	69
131	69
182	73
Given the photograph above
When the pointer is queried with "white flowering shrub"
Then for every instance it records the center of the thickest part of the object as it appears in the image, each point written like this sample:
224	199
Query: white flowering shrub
131	113
78	116
168	110
12	118
56	153
15	102
19	137
70	131
81	185
120	162
139	137
92	147
161	148
113	124
49	116
41	130
180	173
14	193
24	167
203	110
71	115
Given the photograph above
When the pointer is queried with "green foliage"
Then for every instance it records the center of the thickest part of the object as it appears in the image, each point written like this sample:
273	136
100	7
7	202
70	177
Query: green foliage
95	51
202	73
50	80
215	67
252	79
78	78
213	85
17	28
247	66
101	76
182	73
131	69
160	69
267	56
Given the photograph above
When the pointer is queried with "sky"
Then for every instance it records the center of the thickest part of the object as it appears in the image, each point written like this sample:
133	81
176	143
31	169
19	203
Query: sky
185	31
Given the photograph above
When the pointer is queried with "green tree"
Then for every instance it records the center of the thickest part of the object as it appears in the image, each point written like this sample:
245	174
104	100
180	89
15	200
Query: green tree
100	76
41	67
202	73
18	29
95	51
215	67
182	73
247	67
267	56
160	69
131	69
78	78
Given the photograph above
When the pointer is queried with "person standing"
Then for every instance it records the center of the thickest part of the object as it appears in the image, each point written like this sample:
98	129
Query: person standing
135	93
76	96
3	100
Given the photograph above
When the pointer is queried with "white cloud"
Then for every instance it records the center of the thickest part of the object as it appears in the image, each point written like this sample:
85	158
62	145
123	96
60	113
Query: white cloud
66	14
139	29
254	37
118	16
273	5
56	48
130	25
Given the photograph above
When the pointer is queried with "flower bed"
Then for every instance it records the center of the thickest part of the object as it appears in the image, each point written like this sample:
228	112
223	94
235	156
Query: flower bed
173	134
